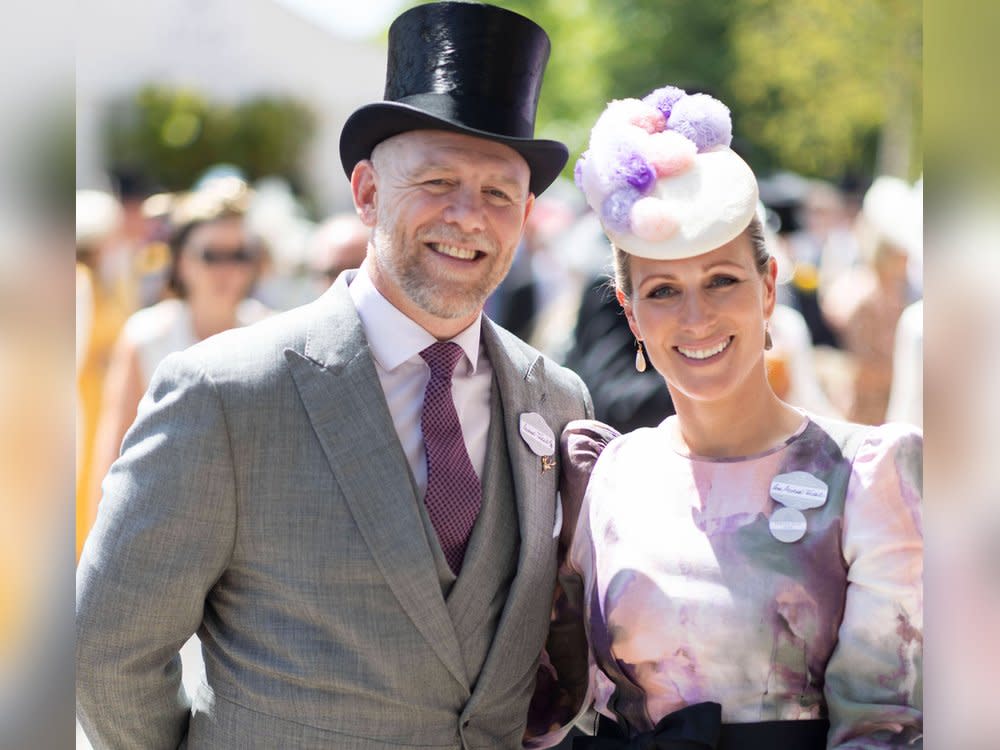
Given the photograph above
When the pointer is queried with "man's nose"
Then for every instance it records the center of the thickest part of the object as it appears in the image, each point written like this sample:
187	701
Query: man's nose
466	209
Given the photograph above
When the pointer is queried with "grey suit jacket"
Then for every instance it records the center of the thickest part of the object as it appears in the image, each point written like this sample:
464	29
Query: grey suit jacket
263	501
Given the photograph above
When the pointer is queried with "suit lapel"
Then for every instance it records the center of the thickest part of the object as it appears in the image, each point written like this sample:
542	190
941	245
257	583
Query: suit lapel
521	380
339	387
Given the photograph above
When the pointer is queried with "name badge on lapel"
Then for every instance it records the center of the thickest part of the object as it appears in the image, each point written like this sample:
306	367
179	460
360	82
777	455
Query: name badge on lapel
539	437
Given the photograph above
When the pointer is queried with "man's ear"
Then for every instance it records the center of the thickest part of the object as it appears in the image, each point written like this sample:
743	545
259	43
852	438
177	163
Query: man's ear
629	313
364	192
528	205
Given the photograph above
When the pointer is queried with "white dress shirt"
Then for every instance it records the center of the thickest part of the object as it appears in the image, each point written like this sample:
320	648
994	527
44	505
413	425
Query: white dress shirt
396	343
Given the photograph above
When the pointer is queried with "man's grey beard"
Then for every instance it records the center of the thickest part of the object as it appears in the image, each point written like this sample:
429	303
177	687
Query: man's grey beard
426	293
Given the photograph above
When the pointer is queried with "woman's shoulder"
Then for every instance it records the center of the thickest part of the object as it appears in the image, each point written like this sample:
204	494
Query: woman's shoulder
894	450
871	440
886	471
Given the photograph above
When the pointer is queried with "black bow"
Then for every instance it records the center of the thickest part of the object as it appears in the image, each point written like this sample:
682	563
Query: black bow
695	727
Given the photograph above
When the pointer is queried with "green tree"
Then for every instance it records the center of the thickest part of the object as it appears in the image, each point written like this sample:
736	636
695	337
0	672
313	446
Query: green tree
823	87
173	135
831	84
612	49
268	136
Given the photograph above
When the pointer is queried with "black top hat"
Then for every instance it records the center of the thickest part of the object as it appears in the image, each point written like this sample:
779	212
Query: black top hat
466	68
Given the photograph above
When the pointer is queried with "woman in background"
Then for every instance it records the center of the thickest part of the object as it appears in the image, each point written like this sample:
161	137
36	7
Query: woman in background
214	264
105	297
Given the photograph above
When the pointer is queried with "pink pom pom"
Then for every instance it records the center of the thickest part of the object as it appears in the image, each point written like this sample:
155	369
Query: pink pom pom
650	220
669	153
637	113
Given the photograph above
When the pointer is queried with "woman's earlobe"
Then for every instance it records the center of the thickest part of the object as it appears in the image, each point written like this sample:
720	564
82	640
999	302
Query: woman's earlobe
629	314
622	299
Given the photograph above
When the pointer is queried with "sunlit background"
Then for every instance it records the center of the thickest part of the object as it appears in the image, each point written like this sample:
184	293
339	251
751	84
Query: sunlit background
169	92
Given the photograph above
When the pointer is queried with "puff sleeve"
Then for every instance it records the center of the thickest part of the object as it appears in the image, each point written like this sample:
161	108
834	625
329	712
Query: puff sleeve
873	679
562	692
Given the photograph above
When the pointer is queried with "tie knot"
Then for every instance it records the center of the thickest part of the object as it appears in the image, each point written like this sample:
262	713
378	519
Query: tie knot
442	358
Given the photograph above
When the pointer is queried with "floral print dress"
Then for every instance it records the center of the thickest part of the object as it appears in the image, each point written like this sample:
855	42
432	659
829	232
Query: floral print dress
687	595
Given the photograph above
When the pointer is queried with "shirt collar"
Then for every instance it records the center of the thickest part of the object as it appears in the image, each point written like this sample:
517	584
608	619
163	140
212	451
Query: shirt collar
393	337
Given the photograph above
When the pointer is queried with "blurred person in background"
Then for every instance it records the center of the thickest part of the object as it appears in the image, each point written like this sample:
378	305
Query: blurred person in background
214	263
336	245
354	503
790	362
821	248
107	289
791	366
864	304
534	289
139	232
746	575
277	217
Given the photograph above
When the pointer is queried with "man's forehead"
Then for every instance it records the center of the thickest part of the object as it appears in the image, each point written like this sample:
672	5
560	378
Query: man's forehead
430	146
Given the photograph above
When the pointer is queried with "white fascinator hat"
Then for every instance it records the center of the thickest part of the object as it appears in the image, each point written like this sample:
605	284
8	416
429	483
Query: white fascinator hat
661	176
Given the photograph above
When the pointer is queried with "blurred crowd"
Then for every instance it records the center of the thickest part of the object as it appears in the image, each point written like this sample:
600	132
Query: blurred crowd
157	272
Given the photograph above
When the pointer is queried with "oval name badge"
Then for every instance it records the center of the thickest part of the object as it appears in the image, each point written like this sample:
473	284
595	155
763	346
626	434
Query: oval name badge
787	524
799	489
537	434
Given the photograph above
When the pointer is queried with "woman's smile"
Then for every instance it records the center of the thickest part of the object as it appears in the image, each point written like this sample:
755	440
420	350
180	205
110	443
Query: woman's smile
703	353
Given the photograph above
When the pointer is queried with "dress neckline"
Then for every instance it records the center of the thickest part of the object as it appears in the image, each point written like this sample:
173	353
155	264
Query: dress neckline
667	426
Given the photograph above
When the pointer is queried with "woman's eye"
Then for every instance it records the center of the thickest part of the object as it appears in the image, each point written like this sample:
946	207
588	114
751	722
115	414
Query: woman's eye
718	281
661	292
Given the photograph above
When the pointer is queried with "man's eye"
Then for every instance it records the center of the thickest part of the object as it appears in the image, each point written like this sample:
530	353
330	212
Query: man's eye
497	193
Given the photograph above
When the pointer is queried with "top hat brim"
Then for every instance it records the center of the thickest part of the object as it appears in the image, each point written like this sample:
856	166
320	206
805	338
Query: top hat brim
370	125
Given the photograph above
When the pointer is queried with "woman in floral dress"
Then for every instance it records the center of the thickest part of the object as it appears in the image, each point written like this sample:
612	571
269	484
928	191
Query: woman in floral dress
744	575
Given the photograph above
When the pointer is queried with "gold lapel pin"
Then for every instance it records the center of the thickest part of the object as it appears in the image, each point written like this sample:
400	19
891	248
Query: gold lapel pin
548	462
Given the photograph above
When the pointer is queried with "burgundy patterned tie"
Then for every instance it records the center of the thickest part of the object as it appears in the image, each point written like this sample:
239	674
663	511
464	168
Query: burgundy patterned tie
453	492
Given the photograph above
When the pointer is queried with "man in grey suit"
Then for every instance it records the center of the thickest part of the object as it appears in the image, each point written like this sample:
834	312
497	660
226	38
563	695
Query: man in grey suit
354	503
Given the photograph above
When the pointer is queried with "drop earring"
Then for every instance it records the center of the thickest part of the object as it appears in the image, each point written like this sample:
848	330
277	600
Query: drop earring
768	344
640	359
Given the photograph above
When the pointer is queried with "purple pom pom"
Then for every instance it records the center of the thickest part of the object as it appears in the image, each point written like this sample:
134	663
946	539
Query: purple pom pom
702	119
635	171
616	208
664	99
578	170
